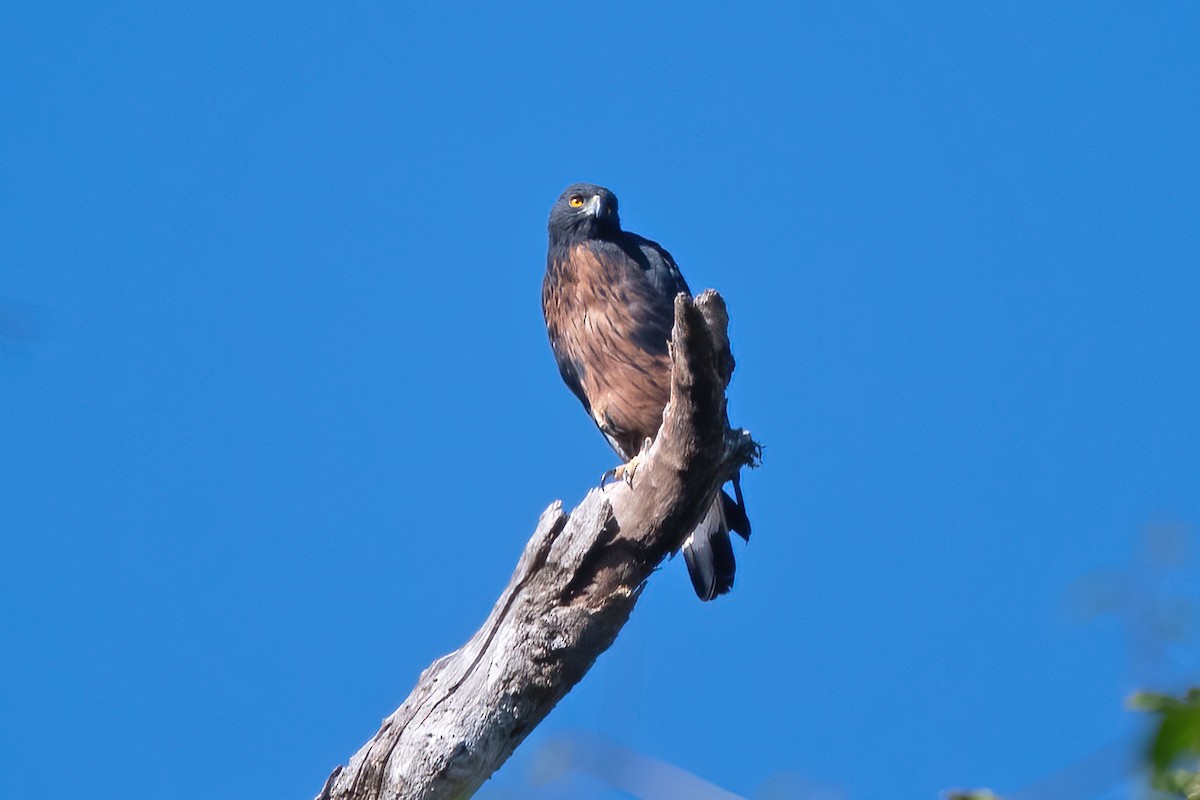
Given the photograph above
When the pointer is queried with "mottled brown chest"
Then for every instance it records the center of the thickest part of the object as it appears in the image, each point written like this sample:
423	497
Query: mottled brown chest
592	308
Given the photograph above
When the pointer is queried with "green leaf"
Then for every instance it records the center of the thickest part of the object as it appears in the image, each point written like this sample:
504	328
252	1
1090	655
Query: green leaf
1152	701
1179	783
1178	736
1174	752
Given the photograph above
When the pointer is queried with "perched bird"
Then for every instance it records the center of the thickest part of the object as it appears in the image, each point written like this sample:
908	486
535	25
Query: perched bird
609	300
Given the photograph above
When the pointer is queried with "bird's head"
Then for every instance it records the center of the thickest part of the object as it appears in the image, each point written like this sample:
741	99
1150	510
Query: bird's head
584	211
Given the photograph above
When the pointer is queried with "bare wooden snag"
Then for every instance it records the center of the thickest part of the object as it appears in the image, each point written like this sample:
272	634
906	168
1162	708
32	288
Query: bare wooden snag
574	587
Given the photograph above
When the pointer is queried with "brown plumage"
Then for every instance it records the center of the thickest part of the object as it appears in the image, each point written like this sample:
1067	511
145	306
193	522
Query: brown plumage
590	312
608	297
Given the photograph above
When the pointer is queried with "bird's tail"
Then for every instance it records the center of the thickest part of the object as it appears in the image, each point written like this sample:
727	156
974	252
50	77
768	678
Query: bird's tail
708	551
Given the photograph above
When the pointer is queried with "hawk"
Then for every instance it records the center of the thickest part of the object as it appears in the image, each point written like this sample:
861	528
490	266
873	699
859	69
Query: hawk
609	301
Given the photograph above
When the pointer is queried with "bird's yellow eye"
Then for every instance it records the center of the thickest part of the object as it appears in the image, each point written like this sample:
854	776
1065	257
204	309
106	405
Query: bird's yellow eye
576	201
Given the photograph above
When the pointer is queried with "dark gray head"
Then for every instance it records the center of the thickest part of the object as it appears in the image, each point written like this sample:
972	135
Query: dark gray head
584	211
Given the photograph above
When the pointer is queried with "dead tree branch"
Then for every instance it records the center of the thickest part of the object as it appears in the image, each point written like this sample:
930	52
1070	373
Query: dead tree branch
573	589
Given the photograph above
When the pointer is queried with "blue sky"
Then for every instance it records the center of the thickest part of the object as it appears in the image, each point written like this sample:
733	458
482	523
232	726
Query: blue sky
277	412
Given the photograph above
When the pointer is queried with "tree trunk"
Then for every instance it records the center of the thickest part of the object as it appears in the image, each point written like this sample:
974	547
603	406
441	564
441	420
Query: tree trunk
573	589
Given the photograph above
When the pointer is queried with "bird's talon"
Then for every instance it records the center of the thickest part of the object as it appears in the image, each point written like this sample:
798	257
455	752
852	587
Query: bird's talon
627	470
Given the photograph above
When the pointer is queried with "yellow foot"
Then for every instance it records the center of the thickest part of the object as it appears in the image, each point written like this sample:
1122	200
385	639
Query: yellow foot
626	471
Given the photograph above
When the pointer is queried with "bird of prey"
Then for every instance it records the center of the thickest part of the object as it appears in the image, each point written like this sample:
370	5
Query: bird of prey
609	300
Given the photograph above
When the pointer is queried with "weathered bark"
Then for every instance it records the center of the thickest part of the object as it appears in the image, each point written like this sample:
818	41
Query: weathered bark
573	589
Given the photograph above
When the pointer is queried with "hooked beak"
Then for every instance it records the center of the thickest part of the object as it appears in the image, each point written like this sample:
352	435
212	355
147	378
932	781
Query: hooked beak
594	207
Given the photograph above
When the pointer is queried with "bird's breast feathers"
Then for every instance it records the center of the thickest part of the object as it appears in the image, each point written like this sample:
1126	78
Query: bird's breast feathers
601	312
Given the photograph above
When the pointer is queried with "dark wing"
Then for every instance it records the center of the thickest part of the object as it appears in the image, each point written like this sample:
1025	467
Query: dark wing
663	272
655	298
